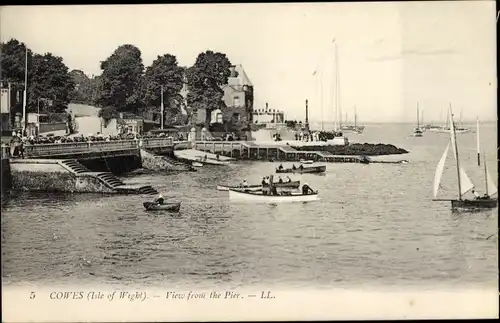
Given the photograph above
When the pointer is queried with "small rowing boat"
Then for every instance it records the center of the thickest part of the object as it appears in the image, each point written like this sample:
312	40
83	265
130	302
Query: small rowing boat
196	164
292	184
173	207
239	195
303	169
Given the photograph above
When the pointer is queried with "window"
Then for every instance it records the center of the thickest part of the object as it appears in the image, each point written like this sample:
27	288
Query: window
236	101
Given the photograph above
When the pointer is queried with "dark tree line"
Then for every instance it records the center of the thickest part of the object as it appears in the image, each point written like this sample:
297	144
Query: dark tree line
49	82
125	84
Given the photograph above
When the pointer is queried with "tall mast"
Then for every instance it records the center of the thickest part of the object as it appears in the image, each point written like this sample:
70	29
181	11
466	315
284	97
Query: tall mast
321	98
335	94
452	125
418	117
485	173
337	77
478	143
355	118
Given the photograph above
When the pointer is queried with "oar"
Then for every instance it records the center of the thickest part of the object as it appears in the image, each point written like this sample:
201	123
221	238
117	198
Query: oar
491	235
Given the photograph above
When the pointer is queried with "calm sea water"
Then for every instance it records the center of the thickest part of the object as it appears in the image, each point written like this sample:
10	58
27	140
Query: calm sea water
374	225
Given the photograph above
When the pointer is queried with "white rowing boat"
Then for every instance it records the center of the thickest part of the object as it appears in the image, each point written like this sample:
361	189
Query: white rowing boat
259	197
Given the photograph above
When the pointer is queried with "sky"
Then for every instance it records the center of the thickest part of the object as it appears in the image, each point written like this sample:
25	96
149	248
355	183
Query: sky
390	56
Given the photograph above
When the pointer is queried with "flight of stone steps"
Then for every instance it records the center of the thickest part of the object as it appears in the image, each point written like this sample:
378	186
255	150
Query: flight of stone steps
108	178
178	163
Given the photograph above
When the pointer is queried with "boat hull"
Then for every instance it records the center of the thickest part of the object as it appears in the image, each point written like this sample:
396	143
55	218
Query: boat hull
172	207
474	204
259	197
197	164
254	188
305	170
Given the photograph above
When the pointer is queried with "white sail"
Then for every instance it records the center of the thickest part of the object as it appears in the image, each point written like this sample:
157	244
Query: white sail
465	182
439	170
490	184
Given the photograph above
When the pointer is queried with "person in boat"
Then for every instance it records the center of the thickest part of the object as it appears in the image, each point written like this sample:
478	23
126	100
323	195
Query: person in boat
245	183
476	195
301	167
280	167
159	199
280	180
293	167
218	157
306	190
205	158
288	179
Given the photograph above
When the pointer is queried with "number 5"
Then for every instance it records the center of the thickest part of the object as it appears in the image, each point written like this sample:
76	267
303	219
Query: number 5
32	295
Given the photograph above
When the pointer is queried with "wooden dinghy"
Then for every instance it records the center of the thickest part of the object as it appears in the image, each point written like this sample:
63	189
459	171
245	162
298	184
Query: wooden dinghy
292	184
303	169
197	164
239	195
172	207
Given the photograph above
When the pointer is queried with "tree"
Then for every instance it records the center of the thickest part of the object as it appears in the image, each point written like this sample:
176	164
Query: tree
48	78
122	79
166	72
13	55
205	80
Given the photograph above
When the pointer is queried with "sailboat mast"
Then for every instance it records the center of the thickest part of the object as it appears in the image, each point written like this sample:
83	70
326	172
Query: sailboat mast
355	118
485	173
418	117
452	125
334	98
321	98
337	83
478	143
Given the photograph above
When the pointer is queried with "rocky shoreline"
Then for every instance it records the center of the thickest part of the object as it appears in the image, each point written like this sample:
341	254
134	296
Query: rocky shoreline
357	149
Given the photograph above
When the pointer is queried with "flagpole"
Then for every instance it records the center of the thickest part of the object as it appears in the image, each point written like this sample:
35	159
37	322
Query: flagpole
162	107
25	91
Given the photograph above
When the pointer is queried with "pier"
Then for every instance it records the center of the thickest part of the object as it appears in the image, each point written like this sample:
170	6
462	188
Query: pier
248	150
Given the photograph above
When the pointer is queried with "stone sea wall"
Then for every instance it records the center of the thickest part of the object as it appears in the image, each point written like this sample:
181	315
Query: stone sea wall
160	163
57	182
50	176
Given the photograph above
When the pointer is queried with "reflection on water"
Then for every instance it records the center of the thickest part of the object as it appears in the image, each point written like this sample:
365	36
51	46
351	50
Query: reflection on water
375	224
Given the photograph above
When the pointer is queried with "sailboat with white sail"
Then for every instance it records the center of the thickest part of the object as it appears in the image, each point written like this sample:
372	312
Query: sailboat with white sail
353	128
418	132
465	184
458	130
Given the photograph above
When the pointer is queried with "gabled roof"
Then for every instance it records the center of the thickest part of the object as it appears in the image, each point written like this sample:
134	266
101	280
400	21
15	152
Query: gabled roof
242	76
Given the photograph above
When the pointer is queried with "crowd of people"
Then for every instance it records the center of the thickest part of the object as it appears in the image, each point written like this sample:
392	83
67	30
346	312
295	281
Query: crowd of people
53	139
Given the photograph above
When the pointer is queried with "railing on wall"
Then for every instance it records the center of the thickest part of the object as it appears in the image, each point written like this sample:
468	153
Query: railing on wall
47	150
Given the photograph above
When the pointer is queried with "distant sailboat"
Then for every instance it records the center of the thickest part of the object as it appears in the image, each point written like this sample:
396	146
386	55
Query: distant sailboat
418	132
458	130
464	183
353	128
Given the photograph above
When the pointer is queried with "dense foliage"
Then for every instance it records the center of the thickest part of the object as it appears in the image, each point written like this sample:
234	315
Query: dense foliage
49	82
125	85
205	80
